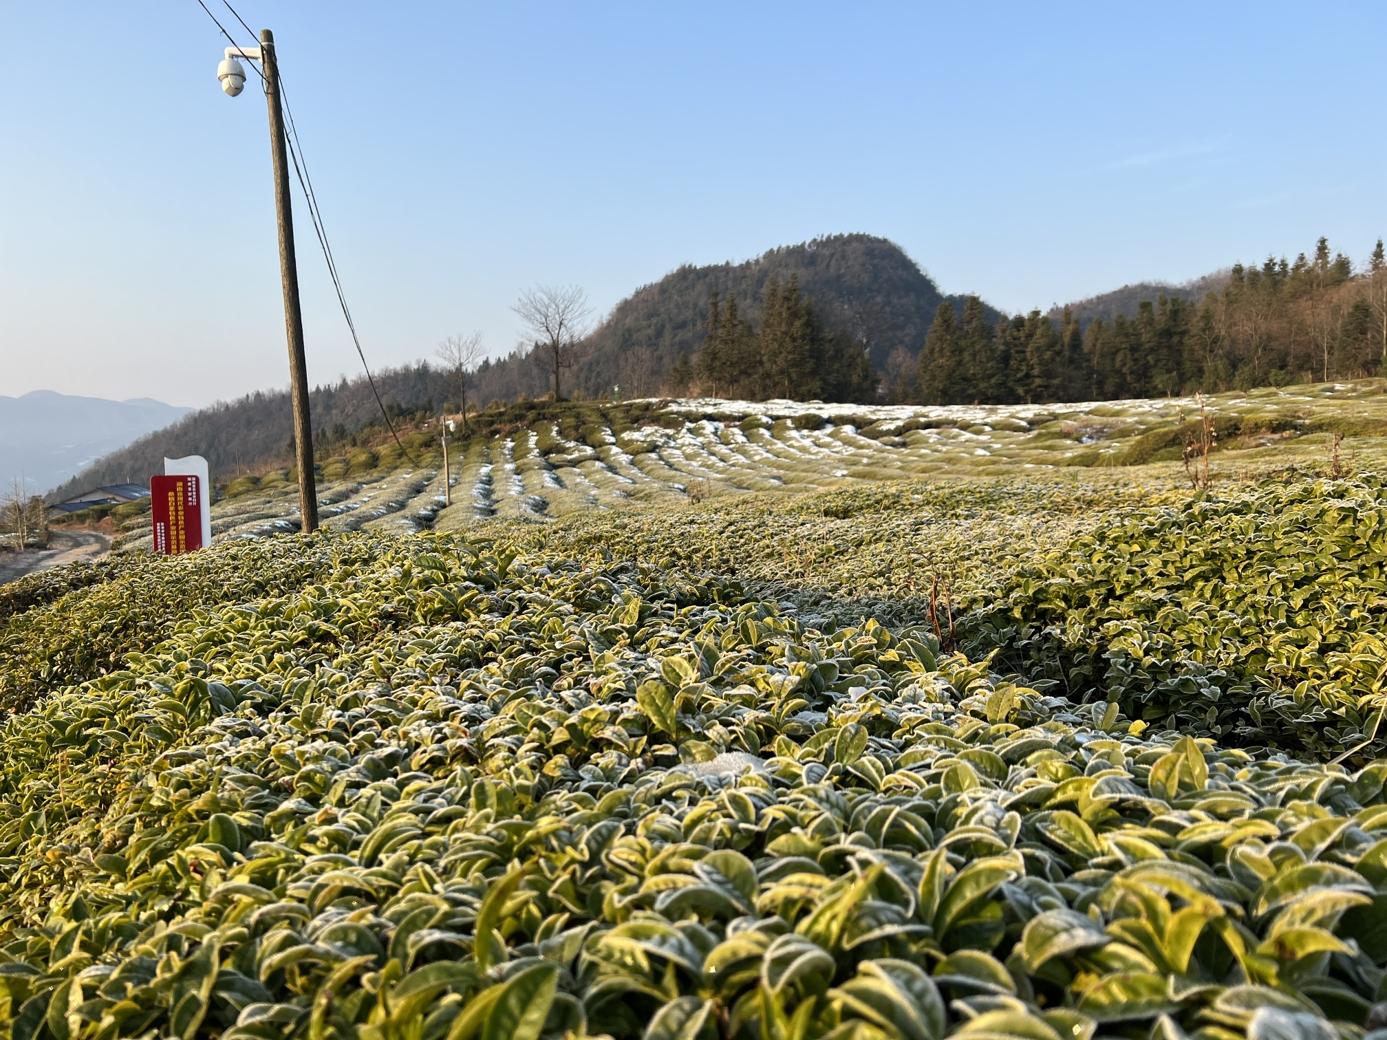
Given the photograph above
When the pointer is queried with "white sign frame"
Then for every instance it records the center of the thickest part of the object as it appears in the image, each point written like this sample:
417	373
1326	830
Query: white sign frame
195	466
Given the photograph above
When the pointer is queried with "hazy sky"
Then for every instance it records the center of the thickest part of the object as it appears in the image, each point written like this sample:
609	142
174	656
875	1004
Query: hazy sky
1032	153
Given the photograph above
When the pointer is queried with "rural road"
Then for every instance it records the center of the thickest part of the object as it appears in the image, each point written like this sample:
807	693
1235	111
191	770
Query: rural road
63	547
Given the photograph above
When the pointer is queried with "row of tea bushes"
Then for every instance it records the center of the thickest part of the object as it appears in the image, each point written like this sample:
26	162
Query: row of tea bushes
446	794
876	548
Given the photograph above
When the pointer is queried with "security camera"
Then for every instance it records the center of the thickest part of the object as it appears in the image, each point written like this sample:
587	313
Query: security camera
233	76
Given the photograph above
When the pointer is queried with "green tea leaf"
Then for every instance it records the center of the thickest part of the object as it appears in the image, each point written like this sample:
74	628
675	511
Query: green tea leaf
1058	933
657	703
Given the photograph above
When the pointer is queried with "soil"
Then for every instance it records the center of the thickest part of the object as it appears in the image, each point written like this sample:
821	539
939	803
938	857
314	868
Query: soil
64	546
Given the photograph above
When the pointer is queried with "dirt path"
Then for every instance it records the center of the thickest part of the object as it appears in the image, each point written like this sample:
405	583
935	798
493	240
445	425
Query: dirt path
63	547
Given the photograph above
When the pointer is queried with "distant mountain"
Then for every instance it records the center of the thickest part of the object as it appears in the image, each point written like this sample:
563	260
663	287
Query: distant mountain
863	283
46	437
1126	300
259	428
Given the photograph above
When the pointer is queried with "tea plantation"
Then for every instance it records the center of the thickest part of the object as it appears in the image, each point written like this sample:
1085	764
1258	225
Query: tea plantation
1028	750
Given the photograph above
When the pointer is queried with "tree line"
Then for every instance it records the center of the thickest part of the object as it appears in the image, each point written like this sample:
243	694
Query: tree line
1311	319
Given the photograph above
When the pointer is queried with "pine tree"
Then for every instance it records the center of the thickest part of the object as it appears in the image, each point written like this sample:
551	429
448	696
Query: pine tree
1355	353
981	376
1203	367
742	351
712	356
1172	329
727	363
1074	377
1010	353
1040	376
1322	257
846	373
681	376
939	361
1124	362
789	341
1098	360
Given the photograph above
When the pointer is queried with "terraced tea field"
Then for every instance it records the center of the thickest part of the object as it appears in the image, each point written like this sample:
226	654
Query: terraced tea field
692	451
765	722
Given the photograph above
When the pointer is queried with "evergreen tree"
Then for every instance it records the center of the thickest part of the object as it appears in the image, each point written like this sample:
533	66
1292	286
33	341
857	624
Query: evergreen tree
790	341
1355	352
940	360
982	376
1202	367
742	351
727	363
1171	329
712	357
1039	380
681	376
1128	360
1011	357
846	372
1098	360
1073	379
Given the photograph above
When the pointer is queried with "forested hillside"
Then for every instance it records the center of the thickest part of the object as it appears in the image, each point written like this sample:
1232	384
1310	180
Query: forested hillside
1299	321
865	286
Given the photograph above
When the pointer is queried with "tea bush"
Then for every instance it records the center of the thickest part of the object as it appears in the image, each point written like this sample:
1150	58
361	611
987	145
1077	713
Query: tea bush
71	624
439	792
1251	615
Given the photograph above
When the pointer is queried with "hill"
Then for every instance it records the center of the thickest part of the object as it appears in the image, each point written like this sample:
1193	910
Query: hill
248	433
46	437
1129	298
861	283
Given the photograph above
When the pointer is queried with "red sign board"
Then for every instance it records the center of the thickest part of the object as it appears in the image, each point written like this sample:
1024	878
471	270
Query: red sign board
177	509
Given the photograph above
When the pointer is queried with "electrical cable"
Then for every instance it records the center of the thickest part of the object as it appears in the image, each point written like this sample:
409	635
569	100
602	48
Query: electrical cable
228	35
244	26
295	148
337	286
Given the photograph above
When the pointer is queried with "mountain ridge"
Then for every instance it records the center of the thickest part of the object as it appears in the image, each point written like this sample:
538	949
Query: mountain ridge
46	436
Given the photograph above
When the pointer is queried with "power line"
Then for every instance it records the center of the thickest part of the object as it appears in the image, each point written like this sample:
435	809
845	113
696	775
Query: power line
295	147
228	35
305	185
244	26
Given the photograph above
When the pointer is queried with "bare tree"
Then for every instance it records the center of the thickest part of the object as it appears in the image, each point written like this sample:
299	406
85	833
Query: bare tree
1377	300
460	356
557	317
638	370
23	516
900	375
13	514
1326	316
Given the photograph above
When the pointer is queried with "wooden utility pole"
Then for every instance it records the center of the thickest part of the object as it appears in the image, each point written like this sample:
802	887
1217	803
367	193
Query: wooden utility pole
289	272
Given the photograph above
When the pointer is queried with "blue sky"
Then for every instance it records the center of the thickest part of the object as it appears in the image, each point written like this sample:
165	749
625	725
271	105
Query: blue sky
1030	153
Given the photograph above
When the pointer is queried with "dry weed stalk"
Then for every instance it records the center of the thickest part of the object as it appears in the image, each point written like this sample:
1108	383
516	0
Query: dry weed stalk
1198	447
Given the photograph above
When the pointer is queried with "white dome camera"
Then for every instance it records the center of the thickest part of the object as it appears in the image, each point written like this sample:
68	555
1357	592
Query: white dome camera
233	76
